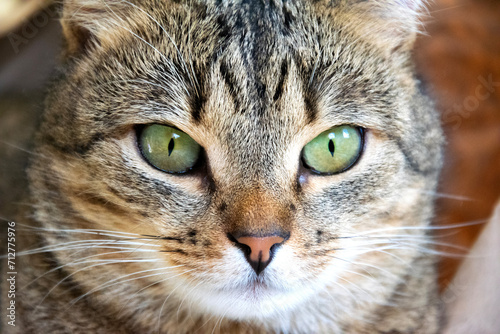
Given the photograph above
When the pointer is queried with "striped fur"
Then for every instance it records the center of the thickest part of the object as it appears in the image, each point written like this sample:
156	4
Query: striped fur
136	250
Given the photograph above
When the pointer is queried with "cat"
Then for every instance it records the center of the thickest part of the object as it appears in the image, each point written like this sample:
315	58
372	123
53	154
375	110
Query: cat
234	167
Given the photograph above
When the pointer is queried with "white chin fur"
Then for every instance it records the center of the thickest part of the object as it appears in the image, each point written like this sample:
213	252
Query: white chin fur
252	303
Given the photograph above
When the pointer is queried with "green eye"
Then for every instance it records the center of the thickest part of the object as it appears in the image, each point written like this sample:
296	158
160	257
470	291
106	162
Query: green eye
333	151
168	149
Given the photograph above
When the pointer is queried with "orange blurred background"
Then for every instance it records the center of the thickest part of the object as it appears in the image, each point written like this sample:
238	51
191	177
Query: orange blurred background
459	59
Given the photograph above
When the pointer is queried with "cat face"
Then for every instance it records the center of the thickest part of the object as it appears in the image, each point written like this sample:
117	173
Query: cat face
246	226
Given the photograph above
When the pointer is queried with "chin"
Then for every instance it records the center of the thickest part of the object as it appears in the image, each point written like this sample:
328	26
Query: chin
252	301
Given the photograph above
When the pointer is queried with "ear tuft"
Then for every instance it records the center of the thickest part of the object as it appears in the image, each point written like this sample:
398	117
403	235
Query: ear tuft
391	25
414	5
90	23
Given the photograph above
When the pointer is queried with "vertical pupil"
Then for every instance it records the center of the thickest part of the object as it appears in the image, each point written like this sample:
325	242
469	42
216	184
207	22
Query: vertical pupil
171	145
331	147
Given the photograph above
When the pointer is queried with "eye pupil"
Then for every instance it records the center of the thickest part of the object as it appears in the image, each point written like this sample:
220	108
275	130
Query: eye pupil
171	145
331	147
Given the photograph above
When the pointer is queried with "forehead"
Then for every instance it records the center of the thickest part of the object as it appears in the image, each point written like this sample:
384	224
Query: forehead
257	53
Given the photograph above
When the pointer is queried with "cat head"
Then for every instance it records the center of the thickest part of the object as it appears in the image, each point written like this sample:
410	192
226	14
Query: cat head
236	159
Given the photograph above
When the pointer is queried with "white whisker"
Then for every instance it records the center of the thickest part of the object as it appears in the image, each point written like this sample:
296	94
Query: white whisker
107	284
86	268
78	262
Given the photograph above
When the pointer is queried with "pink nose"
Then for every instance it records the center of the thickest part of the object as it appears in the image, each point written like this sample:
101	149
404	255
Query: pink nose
258	250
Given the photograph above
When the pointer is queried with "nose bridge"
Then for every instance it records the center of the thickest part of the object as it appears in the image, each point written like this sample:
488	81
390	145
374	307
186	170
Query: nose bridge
258	213
255	150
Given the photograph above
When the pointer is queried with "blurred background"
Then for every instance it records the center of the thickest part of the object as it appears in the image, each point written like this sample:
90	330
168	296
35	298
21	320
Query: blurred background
457	58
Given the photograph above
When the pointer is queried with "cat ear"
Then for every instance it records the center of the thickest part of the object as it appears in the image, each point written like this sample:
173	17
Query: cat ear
390	24
92	23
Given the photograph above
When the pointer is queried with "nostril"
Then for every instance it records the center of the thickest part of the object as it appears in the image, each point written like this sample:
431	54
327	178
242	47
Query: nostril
273	247
244	248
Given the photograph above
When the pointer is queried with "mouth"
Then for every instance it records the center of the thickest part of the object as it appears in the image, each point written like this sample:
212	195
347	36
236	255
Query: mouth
257	289
253	285
253	290
249	298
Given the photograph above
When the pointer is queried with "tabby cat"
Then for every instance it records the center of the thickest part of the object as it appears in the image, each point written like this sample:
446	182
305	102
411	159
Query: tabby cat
234	166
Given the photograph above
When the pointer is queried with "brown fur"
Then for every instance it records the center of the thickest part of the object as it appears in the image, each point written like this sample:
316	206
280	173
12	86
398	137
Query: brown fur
252	83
